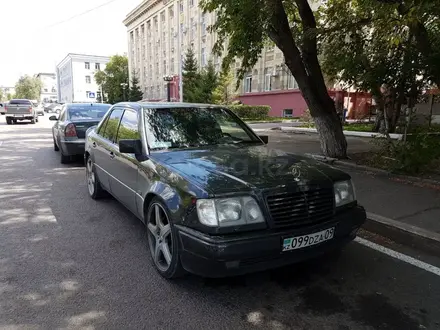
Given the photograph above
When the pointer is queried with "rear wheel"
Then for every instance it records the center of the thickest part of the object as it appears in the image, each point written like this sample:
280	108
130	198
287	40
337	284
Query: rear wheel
55	147
93	185
63	158
8	121
33	120
36	118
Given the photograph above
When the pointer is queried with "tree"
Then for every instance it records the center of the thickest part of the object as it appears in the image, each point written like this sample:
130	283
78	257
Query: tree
371	46
191	78
1	95
9	96
224	92
135	93
113	78
291	25
209	82
28	88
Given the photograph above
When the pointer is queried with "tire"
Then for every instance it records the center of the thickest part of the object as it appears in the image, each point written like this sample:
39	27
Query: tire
8	121
33	120
63	158
163	241
36	119
55	147
93	186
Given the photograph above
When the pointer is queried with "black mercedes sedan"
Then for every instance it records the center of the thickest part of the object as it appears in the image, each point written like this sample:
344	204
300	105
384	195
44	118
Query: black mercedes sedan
71	125
215	198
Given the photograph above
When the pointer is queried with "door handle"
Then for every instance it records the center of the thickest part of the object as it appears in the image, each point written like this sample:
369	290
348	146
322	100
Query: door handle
112	154
94	144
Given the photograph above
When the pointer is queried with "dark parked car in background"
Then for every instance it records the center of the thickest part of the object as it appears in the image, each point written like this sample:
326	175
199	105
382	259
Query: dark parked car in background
216	200
71	125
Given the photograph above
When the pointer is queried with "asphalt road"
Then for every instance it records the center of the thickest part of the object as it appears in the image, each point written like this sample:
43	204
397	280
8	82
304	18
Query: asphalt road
67	262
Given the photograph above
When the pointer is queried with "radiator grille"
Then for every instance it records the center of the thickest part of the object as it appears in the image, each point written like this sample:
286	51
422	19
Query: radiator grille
302	208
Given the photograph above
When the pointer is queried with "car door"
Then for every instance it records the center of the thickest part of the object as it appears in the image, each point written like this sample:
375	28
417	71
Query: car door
124	168
104	146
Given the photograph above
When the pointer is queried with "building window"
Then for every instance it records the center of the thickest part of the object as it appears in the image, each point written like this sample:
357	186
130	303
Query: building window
291	82
248	84
181	6
288	113
54	90
87	65
203	57
97	66
164	67
162	17
171	13
88	80
192	27
45	90
172	65
267	79
191	3
203	24
87	94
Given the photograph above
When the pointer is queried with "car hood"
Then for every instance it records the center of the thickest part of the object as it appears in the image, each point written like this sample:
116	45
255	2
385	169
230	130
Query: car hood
230	168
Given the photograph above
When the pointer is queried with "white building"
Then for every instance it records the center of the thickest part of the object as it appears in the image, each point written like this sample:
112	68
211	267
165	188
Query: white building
48	91
75	77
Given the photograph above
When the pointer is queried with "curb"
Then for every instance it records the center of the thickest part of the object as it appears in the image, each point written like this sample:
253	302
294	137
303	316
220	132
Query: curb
403	233
370	135
412	179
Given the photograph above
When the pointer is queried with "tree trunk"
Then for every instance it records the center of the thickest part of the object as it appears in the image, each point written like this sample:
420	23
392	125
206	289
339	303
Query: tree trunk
331	136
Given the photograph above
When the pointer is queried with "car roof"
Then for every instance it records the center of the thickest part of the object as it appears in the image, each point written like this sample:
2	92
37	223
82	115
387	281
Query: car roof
162	105
86	103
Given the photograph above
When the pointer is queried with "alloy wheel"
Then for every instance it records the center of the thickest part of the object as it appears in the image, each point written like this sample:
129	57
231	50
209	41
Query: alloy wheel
90	176
160	238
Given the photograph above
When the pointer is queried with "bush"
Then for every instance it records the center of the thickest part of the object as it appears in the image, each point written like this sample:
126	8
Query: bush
250	111
307	119
416	155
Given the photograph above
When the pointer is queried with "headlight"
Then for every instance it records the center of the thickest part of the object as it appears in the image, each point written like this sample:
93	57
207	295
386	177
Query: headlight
344	192
224	212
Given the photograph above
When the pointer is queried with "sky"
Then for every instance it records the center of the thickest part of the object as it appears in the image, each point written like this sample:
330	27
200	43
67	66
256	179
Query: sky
33	40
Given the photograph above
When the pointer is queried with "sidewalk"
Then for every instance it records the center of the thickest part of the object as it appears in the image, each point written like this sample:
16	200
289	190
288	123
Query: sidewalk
393	198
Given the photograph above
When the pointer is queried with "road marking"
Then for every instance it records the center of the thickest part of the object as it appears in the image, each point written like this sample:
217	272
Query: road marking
1	142
402	257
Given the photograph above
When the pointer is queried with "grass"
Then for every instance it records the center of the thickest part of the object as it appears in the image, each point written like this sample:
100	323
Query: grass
358	127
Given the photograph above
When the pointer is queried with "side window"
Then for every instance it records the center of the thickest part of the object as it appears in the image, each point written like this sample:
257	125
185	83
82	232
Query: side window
128	129
103	125
111	128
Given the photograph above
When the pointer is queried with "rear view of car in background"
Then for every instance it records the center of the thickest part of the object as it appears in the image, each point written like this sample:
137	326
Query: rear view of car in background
70	127
20	109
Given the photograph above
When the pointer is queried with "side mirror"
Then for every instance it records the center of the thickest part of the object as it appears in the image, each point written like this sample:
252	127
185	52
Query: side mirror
130	147
265	138
53	118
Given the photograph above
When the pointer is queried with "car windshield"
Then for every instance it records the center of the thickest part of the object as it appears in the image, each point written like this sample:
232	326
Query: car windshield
87	111
170	128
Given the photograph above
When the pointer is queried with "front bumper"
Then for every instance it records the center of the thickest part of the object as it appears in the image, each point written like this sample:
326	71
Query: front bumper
213	256
72	148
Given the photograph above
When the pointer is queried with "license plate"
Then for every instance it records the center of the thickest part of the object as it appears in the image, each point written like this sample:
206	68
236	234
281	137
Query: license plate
19	116
299	242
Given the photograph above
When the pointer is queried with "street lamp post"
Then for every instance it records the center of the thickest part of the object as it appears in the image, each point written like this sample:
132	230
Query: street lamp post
168	80
124	87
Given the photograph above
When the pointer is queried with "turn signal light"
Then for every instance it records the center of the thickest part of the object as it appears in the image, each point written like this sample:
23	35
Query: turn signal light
30	109
70	130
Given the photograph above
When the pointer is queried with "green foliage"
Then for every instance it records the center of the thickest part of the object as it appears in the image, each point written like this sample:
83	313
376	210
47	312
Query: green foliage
224	92
191	78
359	127
416	155
135	93
28	88
1	95
249	112
209	82
9	96
115	74
368	43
